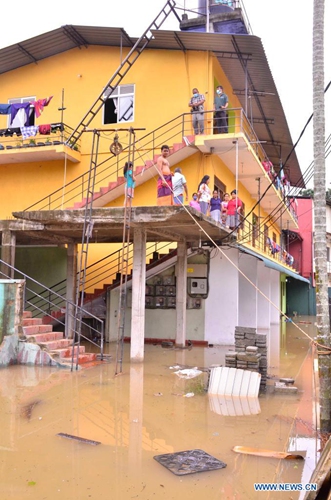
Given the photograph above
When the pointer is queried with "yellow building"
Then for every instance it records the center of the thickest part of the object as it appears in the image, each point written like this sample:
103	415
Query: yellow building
143	107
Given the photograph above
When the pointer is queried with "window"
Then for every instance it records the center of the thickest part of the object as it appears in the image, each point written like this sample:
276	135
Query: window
18	121
119	106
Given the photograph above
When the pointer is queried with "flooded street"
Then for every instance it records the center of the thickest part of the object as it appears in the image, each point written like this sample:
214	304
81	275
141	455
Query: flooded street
142	413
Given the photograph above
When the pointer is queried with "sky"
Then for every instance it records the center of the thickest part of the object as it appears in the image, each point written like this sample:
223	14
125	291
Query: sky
285	28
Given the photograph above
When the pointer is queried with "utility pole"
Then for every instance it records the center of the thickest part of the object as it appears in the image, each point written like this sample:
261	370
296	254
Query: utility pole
321	277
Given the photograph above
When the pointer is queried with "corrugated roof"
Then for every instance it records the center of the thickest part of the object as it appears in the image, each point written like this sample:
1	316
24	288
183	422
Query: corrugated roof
242	57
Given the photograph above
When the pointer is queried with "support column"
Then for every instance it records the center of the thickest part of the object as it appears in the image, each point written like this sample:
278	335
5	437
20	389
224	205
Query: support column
247	292
181	292
263	305
274	297
71	289
8	252
138	295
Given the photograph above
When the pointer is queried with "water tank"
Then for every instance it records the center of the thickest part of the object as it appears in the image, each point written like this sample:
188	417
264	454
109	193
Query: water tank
215	6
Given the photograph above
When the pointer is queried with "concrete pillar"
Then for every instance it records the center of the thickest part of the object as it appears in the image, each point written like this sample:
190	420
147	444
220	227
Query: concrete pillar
221	306
8	252
138	295
247	292
274	297
181	291
71	289
263	305
136	416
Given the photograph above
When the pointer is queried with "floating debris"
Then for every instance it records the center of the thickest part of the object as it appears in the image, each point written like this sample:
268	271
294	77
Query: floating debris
76	438
189	462
267	453
26	411
188	373
188	395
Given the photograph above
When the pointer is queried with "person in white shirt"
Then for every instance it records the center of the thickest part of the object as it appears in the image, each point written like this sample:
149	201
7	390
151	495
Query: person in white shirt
179	186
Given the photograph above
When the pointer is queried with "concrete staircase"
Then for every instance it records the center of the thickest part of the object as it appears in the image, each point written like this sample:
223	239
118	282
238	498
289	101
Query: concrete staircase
40	345
116	188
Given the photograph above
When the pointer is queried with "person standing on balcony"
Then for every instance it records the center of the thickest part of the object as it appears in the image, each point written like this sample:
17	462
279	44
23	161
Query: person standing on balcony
164	183
221	102
215	207
194	202
234	210
197	106
179	186
224	208
204	194
130	183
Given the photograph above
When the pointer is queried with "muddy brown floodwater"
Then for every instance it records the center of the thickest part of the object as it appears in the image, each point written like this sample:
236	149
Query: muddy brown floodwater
142	413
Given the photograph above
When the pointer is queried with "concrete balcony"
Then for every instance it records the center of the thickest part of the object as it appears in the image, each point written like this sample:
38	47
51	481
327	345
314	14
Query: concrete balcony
52	147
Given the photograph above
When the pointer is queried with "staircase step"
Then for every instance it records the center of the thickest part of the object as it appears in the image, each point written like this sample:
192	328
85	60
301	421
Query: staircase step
87	357
32	321
66	352
27	314
42	338
55	344
33	329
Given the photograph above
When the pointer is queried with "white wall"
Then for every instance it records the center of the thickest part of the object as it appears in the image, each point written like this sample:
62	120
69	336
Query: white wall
274	296
263	306
247	292
221	306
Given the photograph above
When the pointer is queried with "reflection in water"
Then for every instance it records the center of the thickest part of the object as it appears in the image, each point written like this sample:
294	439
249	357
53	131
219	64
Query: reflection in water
142	413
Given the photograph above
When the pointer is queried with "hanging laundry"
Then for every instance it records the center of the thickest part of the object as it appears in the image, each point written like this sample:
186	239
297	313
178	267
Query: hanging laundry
16	107
55	127
44	129
29	131
40	105
5	109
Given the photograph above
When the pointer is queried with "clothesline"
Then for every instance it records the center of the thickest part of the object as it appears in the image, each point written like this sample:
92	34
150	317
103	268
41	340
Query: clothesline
22	110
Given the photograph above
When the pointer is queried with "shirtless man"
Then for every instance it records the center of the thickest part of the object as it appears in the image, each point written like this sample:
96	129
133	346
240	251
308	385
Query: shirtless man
164	185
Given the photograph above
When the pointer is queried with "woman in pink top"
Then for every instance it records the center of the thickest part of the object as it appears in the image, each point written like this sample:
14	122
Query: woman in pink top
194	202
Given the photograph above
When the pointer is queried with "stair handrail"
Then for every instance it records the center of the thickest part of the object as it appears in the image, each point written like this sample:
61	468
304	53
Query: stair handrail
81	177
65	300
150	250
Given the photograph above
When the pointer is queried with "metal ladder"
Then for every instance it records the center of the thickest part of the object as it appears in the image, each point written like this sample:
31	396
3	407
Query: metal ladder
124	267
86	235
122	70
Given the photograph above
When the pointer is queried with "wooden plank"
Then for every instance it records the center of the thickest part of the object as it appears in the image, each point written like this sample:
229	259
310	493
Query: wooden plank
76	438
267	453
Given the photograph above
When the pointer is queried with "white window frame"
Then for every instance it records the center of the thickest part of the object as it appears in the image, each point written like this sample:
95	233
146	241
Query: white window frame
119	94
16	100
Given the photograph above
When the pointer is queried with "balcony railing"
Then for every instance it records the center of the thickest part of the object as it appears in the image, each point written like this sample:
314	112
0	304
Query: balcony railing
59	133
251	235
147	147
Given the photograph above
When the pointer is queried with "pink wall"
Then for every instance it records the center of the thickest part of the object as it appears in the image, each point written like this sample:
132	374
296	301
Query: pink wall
302	250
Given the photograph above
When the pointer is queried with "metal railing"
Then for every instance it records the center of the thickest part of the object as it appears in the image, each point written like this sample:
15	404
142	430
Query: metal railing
250	235
59	133
147	147
99	273
46	306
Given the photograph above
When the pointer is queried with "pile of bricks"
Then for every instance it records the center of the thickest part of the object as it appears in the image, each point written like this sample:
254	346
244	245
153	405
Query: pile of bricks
250	352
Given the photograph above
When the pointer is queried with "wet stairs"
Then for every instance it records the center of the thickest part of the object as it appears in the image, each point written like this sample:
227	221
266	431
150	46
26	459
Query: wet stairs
116	188
40	345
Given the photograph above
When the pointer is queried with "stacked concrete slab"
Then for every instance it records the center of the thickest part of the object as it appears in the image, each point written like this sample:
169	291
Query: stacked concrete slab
250	352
